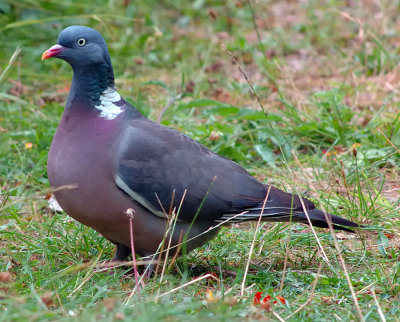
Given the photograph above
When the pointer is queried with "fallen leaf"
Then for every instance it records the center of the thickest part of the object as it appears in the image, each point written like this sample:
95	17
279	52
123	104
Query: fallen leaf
212	14
230	300
214	68
257	298
47	299
215	136
327	299
64	89
5	277
341	236
109	303
139	61
54	205
266	306
222	96
281	299
190	87
222	35
119	316
210	298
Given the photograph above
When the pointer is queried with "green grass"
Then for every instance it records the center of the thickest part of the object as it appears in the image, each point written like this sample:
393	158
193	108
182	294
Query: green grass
326	75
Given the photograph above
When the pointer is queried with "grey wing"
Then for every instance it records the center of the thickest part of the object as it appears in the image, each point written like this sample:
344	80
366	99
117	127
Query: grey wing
159	166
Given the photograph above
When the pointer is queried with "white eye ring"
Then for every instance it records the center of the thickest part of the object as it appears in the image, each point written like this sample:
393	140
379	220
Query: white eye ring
81	42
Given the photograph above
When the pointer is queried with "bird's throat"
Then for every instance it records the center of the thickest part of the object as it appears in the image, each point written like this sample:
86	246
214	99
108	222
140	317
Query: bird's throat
93	86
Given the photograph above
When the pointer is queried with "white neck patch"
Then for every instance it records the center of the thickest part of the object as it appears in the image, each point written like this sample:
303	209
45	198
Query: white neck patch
108	109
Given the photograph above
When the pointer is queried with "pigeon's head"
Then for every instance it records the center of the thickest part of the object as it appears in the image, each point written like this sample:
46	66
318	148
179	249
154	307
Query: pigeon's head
86	51
80	46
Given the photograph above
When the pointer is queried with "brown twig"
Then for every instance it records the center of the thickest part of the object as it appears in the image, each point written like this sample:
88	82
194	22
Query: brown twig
178	249
171	224
286	251
378	307
171	101
189	283
246	78
167	227
387	139
278	316
131	213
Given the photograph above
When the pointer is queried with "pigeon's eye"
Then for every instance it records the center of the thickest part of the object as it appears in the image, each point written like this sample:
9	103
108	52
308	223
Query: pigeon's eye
81	42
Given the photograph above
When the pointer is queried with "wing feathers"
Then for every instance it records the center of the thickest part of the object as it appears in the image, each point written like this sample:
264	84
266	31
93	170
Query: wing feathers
155	161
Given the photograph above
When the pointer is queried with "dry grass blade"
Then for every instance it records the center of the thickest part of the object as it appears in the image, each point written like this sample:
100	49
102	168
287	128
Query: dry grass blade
366	288
324	256
387	139
41	195
170	102
253	243
337	247
365	29
203	233
278	316
9	65
378	307
246	78
171	228
29	22
107	265
88	275
286	256
131	213
188	283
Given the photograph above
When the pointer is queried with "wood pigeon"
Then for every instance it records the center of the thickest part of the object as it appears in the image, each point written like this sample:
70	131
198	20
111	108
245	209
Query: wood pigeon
117	159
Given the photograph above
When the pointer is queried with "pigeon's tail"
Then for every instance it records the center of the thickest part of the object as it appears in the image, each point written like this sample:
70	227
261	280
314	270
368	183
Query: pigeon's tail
285	207
316	216
319	219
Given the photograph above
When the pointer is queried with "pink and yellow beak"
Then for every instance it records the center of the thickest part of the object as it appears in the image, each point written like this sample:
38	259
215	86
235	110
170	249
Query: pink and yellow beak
52	51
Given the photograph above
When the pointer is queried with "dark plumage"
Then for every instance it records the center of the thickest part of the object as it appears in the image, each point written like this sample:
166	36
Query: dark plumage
119	160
